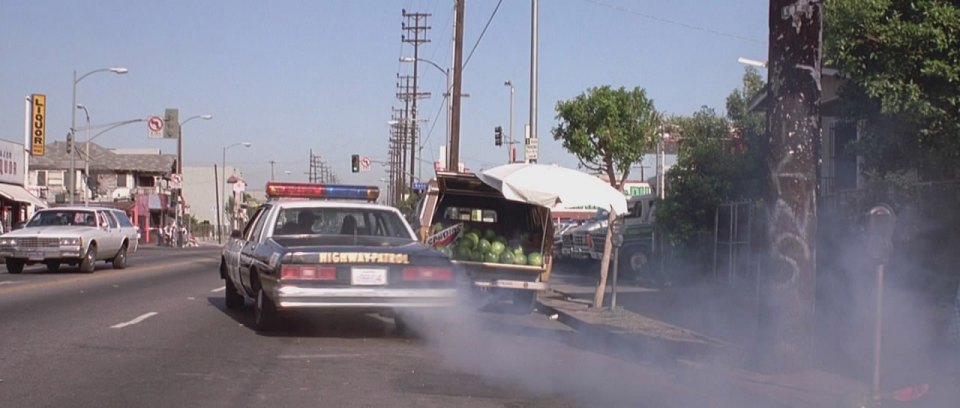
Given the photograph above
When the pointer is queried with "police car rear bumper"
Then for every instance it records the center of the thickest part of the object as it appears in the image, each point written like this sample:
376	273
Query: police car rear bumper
293	297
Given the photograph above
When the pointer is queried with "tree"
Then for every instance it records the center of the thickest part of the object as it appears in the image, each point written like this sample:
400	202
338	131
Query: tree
608	130
719	159
902	62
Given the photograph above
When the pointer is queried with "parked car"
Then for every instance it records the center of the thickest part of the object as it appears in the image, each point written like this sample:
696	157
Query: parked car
73	236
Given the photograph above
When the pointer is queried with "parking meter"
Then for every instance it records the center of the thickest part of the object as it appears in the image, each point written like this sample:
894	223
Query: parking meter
880	224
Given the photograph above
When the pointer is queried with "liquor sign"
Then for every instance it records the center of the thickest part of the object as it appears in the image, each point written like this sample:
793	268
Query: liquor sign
38	124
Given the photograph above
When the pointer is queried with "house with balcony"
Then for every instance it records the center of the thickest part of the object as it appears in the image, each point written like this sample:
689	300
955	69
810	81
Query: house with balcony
134	180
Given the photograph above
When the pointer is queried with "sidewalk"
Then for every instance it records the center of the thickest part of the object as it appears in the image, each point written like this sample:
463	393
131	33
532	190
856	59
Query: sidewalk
705	331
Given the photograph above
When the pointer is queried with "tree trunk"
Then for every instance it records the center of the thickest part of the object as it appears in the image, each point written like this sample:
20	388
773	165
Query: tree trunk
786	320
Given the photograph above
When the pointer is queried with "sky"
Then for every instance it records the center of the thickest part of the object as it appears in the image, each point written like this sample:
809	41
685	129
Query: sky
292	77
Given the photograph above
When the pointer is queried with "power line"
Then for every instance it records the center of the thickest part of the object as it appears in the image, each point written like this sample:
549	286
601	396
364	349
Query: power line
489	20
674	22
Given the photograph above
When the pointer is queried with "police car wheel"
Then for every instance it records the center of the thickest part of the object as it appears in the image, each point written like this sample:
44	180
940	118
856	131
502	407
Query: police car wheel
264	312
232	298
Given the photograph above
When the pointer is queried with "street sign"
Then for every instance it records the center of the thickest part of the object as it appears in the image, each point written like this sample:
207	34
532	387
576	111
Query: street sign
531	151
38	124
171	128
155	127
419	185
176	181
365	164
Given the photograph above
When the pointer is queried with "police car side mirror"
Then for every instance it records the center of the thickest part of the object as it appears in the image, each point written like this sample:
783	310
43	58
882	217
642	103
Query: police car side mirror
235	234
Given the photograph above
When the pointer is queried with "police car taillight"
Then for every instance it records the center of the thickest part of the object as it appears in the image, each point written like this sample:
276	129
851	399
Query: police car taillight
308	272
427	273
322	191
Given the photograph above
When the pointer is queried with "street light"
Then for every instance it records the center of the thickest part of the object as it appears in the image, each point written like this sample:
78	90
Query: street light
179	210
223	193
106	128
446	94
510	131
86	171
73	124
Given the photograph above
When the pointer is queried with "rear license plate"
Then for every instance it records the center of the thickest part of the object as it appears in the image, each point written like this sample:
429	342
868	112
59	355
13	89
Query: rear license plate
35	256
368	276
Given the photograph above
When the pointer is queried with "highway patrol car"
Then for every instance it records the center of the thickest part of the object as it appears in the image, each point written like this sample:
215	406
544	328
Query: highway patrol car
314	246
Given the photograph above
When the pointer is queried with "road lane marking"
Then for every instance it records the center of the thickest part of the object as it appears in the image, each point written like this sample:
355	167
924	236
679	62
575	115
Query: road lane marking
317	356
220	289
101	275
139	319
9	282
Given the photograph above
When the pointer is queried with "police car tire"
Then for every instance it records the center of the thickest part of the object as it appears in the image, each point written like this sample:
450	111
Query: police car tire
264	312
232	298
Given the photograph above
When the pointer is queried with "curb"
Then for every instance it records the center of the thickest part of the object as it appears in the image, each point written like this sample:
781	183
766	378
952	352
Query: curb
642	344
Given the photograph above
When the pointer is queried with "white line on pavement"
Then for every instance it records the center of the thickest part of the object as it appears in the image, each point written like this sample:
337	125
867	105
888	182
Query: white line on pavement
139	319
220	289
317	356
8	282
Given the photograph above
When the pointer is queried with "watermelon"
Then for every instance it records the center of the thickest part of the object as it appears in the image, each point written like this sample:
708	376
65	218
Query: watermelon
534	259
483	245
462	253
471	239
506	257
437	228
497	248
489	234
490	257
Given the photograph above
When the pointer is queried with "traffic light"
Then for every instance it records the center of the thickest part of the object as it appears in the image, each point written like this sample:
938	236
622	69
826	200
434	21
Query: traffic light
498	136
69	142
355	163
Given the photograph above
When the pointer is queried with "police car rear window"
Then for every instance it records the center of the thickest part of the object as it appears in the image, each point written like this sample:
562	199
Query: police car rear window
340	221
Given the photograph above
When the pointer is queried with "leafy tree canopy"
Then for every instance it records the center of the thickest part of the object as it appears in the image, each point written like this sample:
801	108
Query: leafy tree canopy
902	61
719	159
609	130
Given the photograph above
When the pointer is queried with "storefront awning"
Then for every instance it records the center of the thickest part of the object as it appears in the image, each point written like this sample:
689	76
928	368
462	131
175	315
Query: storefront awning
17	193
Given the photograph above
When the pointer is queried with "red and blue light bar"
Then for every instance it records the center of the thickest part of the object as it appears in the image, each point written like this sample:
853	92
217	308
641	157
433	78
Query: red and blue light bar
322	191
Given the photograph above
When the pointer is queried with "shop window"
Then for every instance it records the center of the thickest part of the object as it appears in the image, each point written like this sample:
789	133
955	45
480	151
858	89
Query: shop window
121	180
42	178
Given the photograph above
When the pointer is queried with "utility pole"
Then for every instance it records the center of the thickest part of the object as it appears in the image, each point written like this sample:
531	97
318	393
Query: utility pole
418	30
454	153
510	156
533	86
271	169
787	318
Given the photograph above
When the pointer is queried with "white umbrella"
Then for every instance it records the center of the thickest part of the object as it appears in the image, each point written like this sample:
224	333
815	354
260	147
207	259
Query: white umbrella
553	187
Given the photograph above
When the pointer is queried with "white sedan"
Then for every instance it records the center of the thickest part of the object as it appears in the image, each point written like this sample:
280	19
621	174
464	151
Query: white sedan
70	235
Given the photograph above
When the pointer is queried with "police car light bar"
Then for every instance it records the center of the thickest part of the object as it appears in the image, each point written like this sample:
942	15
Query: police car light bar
322	191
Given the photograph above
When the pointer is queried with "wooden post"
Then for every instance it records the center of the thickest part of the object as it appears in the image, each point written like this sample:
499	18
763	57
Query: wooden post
605	262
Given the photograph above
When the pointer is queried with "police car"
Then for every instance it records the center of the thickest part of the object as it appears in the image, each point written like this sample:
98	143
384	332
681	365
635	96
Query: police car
314	246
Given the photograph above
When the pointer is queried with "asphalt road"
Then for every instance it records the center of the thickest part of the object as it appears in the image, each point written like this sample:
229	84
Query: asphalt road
157	334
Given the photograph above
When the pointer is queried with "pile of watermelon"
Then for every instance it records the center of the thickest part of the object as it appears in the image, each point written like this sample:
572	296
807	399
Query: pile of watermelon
487	246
